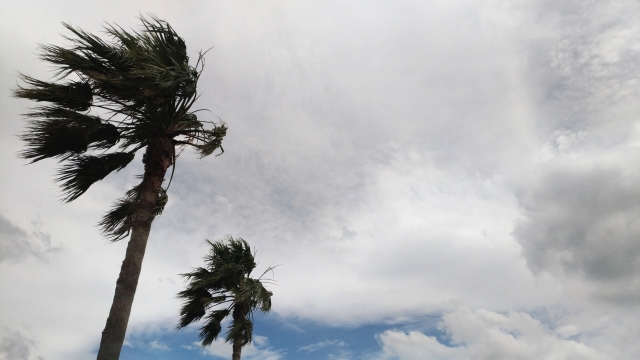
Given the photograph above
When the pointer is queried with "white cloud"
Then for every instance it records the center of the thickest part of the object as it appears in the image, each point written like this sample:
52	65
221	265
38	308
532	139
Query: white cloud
156	345
485	335
323	344
414	345
260	340
193	346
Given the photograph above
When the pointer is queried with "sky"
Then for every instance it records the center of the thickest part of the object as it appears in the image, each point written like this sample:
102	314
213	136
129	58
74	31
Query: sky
435	180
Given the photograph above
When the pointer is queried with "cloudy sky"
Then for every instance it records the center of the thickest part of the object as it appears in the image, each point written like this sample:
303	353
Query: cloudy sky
437	180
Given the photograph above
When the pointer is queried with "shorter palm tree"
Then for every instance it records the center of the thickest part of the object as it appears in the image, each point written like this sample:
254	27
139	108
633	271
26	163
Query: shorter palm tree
224	287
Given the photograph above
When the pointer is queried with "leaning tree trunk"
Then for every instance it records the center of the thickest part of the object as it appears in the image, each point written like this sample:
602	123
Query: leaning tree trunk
240	311
237	348
157	159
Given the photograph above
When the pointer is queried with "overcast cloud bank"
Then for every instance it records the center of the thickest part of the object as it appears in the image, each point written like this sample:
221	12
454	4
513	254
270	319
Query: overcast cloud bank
397	160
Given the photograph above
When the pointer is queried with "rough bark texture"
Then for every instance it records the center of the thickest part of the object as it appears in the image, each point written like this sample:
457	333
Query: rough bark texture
157	159
237	348
240	311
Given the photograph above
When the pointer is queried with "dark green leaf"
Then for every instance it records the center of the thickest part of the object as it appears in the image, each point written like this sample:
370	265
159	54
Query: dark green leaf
118	222
225	280
194	306
104	137
212	140
74	95
84	171
60	133
210	331
240	328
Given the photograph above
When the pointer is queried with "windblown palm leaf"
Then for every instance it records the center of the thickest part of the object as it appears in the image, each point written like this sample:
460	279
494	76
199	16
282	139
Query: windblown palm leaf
140	87
118	222
110	98
225	287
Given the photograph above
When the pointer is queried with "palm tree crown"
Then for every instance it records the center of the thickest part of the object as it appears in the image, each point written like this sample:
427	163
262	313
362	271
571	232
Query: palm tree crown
109	99
141	88
224	287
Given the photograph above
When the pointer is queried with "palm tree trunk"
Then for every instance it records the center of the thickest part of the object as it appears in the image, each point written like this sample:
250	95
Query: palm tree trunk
158	158
237	348
240	311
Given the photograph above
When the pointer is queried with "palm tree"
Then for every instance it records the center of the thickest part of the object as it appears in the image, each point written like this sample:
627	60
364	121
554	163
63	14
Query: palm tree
224	287
109	99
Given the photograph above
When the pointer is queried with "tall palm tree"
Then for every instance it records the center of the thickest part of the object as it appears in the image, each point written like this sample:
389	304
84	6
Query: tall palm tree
224	287
108	100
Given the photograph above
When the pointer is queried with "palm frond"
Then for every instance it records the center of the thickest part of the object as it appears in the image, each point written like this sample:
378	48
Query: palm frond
210	331
142	80
118	222
194	306
105	137
225	280
254	293
240	328
59	132
187	124
212	140
197	274
74	95
229	262
143	71
84	171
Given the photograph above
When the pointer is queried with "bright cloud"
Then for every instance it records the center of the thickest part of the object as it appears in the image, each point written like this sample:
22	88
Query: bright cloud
485	335
156	345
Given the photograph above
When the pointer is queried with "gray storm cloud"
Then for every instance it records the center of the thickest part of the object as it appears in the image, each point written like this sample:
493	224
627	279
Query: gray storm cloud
583	218
17	244
580	200
16	346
